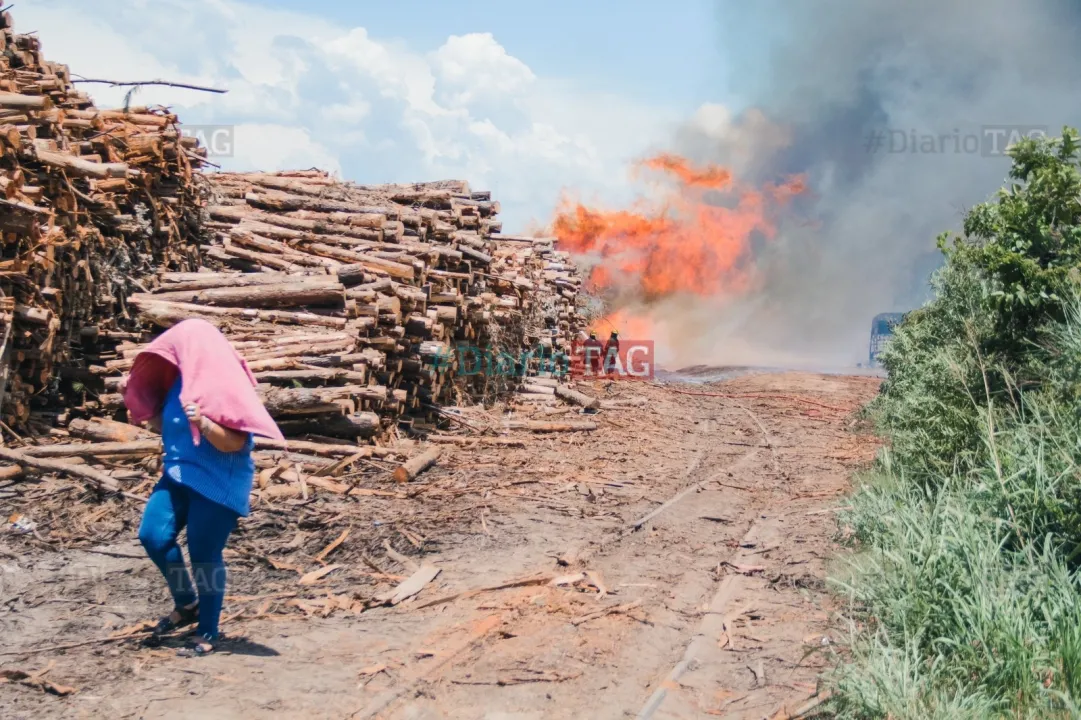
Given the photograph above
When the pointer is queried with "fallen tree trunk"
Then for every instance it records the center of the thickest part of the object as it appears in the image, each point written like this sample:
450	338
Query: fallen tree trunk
410	469
573	396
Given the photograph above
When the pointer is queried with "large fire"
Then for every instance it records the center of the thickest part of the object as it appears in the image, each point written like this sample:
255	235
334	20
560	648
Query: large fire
694	239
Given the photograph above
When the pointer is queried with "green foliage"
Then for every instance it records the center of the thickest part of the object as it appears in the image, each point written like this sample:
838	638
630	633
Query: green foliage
965	591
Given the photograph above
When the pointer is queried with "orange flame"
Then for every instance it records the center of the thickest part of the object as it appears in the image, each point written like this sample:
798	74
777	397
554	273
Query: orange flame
687	244
696	240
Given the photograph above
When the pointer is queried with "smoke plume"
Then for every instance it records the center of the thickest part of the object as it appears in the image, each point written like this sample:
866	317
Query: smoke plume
818	82
825	79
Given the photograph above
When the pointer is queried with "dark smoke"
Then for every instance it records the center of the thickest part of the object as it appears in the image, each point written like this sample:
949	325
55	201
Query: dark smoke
816	80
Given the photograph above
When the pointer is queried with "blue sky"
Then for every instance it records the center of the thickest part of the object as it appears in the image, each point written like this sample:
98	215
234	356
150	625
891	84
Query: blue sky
657	52
530	101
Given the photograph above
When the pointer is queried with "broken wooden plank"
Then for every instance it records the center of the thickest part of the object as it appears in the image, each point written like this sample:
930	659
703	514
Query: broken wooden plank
413	585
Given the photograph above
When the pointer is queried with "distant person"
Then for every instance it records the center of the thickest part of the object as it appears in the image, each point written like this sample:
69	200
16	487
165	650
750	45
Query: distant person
611	354
594	352
193	386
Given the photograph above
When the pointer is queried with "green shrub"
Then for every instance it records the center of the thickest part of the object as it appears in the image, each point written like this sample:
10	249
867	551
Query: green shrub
964	593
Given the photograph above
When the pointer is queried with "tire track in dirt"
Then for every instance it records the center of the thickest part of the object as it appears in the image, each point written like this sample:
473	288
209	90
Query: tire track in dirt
748	627
604	549
694	475
618	555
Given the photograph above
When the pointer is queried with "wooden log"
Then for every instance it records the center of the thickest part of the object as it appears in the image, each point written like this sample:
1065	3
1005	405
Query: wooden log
312	374
174	282
167	314
33	315
79	166
369	262
240	213
540	426
468	440
536	388
364	424
323	449
354	274
268	246
410	469
301	349
94	449
104	430
43	465
578	398
28	102
284	202
313	291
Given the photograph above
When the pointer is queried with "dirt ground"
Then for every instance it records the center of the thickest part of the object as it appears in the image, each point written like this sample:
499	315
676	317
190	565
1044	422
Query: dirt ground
689	541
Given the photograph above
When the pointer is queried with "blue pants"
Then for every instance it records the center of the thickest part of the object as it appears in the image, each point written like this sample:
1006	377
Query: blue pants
172	506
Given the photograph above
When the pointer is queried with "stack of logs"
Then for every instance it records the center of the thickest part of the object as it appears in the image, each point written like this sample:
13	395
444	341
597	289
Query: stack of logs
92	202
362	308
358	307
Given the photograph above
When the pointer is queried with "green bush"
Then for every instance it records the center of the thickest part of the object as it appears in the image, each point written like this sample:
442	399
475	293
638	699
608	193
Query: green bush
964	593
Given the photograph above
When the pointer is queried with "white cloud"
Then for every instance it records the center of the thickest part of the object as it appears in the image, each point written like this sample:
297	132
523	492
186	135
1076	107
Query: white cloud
278	147
478	66
305	92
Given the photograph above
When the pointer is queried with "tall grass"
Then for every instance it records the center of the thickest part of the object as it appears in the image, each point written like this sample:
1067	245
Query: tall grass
964	591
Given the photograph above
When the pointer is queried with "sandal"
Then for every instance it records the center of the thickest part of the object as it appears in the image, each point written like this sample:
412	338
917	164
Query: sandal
187	616
198	646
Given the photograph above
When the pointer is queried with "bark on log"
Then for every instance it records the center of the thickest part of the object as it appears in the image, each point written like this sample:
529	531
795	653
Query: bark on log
540	426
322	449
167	314
312	374
28	102
175	282
410	469
103	430
372	264
364	424
530	388
573	396
284	202
97	478
78	166
240	256
309	292
95	449
300	401
467	440
353	275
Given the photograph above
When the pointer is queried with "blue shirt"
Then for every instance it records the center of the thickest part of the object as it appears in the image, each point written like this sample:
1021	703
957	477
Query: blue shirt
221	477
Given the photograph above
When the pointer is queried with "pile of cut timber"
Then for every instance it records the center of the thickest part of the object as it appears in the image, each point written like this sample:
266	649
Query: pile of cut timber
360	308
91	202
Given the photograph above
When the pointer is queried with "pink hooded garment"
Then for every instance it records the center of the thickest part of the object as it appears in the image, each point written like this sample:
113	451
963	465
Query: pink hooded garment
214	376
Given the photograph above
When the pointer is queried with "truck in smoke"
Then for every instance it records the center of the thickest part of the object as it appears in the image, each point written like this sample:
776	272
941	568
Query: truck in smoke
881	331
